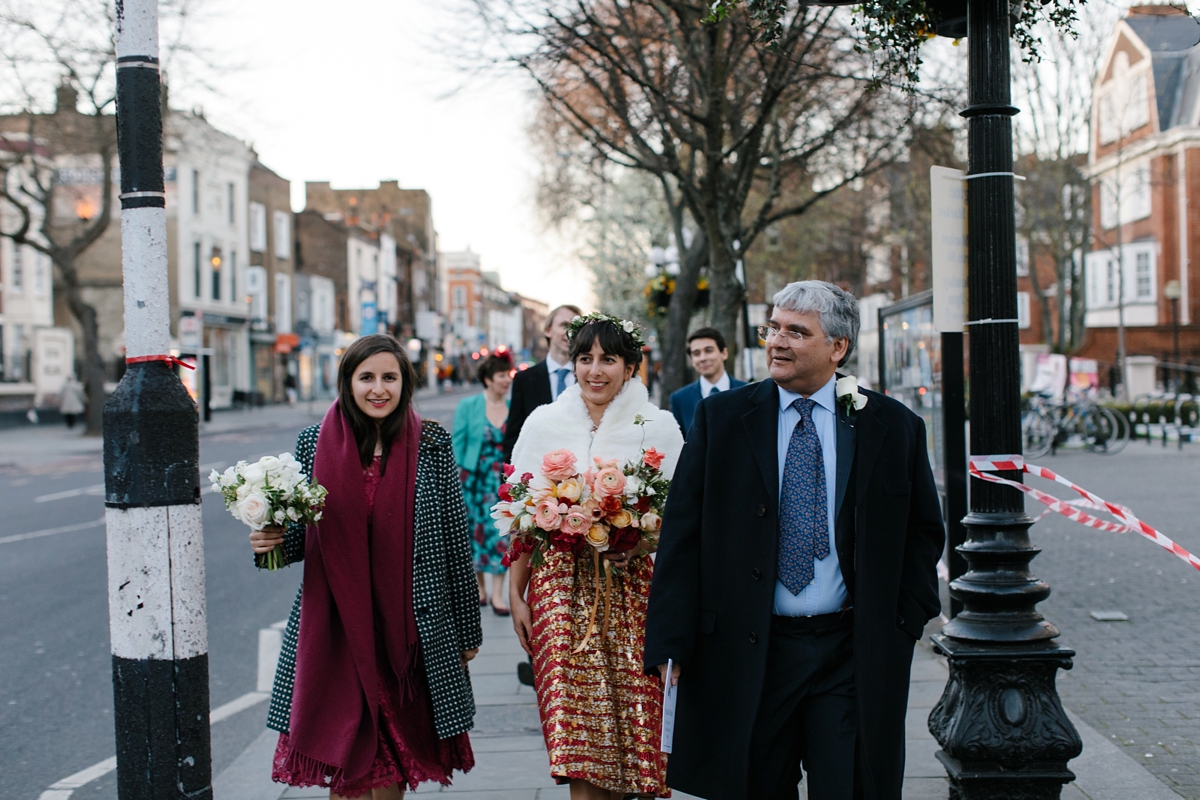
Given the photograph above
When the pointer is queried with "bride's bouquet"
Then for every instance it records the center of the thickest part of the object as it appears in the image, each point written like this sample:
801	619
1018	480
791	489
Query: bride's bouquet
271	491
607	507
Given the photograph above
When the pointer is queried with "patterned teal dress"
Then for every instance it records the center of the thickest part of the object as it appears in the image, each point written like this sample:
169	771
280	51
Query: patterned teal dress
479	492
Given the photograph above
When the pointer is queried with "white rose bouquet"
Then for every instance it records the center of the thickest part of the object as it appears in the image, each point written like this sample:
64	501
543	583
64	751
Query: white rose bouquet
271	491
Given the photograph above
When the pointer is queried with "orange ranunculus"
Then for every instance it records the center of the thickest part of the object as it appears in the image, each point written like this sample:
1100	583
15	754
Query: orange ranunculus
597	536
621	519
653	459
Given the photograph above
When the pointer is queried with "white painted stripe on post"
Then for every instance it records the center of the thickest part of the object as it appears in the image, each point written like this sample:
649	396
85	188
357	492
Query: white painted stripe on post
187	581
147	309
248	700
139	583
156	582
137	28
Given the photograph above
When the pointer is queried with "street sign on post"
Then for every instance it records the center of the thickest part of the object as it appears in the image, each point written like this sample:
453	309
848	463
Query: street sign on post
948	256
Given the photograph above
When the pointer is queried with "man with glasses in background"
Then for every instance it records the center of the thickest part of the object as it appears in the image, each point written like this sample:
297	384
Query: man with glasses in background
797	567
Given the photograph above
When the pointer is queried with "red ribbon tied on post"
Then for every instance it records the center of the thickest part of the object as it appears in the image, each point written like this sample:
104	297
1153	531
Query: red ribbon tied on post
170	360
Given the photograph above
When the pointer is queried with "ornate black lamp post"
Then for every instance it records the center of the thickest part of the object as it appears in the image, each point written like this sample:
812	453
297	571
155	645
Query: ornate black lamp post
1003	731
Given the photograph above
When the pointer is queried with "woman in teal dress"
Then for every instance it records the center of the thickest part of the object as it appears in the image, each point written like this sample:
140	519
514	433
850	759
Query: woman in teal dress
478	439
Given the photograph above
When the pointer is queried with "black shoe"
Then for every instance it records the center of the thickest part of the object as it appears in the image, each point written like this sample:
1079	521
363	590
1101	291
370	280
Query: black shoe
525	673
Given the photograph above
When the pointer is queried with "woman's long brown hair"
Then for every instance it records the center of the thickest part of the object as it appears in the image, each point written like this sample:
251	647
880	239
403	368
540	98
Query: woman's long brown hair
366	432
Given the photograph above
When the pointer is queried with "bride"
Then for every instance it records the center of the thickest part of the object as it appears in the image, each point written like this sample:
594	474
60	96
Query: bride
601	715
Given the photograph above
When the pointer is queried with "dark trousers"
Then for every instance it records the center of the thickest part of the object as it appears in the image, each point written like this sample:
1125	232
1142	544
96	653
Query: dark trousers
807	714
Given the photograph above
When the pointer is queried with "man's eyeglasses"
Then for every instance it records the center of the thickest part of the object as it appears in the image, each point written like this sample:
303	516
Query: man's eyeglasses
765	332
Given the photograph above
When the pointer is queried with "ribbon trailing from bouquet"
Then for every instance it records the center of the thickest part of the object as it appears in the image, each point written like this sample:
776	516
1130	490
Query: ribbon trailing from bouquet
981	467
591	626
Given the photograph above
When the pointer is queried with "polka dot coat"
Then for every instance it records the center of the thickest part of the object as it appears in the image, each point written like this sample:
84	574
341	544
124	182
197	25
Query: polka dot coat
445	597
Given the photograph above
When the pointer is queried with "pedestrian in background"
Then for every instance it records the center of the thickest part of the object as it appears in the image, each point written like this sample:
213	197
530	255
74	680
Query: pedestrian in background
708	353
71	400
479	451
372	693
544	381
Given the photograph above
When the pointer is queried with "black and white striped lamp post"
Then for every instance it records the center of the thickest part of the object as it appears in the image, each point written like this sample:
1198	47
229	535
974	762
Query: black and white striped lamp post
151	472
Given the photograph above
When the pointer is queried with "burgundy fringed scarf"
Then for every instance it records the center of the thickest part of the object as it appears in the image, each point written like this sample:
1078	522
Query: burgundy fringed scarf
350	580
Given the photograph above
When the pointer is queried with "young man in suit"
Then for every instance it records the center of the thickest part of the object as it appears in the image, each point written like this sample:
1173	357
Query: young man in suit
796	569
544	381
706	348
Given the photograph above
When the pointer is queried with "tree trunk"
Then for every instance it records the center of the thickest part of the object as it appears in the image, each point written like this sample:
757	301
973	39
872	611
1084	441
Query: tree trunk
679	315
727	295
93	365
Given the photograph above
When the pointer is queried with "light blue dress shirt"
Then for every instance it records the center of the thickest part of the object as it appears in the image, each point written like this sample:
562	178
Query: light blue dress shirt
827	592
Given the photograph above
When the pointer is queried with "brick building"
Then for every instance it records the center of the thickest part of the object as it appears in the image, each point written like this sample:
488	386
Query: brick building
270	282
406	215
1144	162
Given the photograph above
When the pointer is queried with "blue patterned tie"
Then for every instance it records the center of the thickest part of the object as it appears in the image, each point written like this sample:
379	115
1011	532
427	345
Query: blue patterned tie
561	372
803	506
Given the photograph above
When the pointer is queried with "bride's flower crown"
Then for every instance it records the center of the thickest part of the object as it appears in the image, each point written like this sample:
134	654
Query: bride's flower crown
630	327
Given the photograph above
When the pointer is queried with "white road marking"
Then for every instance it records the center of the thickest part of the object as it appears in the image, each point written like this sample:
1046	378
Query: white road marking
94	491
79	526
98	489
226	711
62	789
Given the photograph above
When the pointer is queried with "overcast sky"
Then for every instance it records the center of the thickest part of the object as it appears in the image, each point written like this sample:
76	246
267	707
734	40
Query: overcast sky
349	93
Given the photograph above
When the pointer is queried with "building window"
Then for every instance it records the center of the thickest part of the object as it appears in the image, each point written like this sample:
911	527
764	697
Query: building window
215	261
233	294
196	193
39	275
196	270
1145	284
1022	310
460	297
18	268
283	303
283	234
1022	256
258	228
1110	295
1128	189
230	202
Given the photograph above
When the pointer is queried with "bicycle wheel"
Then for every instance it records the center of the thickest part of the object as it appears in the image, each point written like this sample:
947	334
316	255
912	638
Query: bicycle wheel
1122	431
1099	428
1037	434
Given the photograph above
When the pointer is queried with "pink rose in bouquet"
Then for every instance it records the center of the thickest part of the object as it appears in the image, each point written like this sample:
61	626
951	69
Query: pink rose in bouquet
577	521
609	482
559	465
547	514
653	459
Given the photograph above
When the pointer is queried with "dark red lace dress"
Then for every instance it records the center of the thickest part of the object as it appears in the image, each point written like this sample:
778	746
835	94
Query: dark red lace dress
409	751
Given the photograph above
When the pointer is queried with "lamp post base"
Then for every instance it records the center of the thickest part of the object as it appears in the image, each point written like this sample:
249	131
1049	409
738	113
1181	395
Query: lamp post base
1003	731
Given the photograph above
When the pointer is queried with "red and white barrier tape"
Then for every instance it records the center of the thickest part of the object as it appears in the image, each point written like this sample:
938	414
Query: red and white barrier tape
981	466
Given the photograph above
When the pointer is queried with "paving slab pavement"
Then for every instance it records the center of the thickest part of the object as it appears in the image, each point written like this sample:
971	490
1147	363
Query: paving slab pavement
511	763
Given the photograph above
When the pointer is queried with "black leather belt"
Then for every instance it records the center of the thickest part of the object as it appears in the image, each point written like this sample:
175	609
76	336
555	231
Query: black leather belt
814	624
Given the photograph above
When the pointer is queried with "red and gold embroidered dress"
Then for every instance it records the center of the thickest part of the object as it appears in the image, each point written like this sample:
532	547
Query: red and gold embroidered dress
601	714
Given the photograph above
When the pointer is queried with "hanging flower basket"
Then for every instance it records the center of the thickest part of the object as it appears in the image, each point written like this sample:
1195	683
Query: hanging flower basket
659	290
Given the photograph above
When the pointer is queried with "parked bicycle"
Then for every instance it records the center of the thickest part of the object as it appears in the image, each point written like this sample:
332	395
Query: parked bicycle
1079	422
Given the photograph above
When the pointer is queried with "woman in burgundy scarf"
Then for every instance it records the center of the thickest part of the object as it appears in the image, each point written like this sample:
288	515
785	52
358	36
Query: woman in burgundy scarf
372	693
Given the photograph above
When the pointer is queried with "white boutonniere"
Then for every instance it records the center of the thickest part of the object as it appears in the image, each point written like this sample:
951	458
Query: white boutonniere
846	390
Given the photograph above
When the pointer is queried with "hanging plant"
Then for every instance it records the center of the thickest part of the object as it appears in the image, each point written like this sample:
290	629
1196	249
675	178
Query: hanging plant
897	28
659	290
